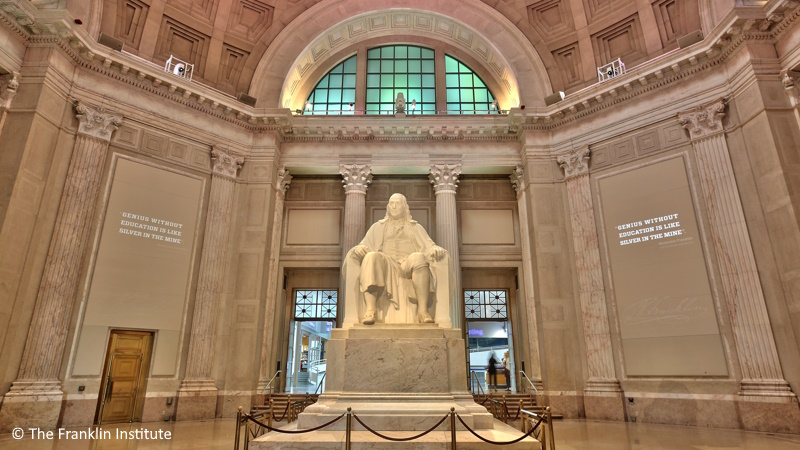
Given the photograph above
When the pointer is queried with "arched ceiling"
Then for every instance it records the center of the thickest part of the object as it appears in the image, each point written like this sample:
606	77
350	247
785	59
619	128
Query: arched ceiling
255	45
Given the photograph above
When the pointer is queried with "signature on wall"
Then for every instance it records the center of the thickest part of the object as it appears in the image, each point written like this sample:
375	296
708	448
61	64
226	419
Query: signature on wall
663	310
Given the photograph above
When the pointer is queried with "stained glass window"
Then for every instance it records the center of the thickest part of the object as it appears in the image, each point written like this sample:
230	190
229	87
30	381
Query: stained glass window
486	304
466	91
336	91
400	68
315	304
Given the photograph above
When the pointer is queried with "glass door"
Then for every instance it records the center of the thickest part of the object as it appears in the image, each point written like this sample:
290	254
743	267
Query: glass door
309	332
489	339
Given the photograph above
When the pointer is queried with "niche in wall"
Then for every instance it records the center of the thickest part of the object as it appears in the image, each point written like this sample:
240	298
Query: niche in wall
664	303
144	261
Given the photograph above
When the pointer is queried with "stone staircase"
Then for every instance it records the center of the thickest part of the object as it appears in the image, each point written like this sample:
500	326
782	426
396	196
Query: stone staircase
279	402
512	401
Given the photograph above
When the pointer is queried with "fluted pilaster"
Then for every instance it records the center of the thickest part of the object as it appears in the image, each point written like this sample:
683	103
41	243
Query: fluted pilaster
755	344
356	179
47	335
444	178
602	376
282	182
212	269
517	178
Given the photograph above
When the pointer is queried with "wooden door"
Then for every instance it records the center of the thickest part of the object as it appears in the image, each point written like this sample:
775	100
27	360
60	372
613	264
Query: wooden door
125	375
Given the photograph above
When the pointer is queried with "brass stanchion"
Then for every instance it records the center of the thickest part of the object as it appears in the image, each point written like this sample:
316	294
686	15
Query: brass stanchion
349	427
271	413
238	429
550	426
453	428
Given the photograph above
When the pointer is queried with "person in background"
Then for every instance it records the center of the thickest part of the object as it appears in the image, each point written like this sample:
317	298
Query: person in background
507	370
492	368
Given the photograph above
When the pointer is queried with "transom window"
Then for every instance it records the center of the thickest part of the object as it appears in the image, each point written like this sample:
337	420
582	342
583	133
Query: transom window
401	68
315	304
394	69
336	91
486	304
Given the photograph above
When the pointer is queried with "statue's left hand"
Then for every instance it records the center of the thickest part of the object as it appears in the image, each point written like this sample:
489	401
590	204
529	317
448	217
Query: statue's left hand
436	253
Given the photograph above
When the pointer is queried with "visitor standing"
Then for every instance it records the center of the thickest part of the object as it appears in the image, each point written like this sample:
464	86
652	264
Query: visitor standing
492	380
507	370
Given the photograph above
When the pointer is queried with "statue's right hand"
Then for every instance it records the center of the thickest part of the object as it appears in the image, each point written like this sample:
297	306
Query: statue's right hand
359	252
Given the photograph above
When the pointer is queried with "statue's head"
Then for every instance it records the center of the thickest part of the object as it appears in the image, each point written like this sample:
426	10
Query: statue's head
398	208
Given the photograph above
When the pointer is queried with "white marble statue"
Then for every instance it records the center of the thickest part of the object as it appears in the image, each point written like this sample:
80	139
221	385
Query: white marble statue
396	258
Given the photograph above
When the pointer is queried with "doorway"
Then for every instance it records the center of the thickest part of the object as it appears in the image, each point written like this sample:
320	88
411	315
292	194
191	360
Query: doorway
124	377
488	330
309	332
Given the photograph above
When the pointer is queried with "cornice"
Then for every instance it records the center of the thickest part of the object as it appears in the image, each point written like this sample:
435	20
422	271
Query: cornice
55	27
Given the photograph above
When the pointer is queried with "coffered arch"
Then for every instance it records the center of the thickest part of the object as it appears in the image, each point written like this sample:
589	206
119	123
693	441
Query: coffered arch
508	57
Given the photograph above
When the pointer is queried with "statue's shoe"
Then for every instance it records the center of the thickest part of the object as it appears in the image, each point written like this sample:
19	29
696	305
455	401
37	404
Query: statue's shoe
369	318
425	318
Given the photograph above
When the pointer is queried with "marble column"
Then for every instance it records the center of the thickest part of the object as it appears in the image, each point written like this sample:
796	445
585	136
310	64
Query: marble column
444	178
274	280
8	89
35	396
197	396
602	398
755	344
356	179
534	370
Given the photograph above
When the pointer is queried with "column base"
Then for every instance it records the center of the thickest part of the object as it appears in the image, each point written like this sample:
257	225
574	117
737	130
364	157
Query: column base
603	400
197	400
773	412
766	388
31	404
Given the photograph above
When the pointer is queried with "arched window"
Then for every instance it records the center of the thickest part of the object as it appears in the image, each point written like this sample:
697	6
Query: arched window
336	91
400	68
466	92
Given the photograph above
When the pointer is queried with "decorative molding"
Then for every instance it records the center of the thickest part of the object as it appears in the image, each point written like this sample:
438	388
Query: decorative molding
704	120
356	177
444	177
97	123
8	89
225	163
517	178
791	86
283	181
575	163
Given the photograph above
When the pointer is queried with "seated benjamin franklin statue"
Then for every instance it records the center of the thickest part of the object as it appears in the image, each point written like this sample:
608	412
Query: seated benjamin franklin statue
396	257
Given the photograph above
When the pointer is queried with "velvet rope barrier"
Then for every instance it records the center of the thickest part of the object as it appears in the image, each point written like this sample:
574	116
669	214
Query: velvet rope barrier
488	441
293	431
399	439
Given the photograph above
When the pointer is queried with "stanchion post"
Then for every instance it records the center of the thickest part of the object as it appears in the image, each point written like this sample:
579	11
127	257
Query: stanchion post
349	427
238	428
519	411
271	413
550	426
453	428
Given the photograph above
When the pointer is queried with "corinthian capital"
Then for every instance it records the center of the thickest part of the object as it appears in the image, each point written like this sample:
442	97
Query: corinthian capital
97	123
8	89
225	163
575	163
444	177
703	120
356	177
517	178
283	180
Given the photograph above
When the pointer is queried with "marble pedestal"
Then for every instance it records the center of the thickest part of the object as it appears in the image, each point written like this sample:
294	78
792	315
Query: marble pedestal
40	408
401	378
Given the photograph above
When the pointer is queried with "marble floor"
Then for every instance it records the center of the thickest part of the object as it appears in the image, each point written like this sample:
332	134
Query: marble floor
570	435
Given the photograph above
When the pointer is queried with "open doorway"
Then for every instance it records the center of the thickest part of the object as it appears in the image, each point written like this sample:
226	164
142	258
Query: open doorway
124	377
488	330
309	332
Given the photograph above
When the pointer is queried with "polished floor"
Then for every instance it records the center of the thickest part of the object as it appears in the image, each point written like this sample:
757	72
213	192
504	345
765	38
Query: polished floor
570	435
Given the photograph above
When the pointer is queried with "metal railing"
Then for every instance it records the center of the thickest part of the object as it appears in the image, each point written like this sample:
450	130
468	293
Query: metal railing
545	434
532	385
474	381
321	382
362	112
269	385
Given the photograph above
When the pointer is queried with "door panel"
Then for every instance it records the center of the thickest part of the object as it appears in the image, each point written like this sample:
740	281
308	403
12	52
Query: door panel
125	376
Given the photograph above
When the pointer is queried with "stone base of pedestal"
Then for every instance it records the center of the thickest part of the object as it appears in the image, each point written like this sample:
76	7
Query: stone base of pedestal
197	400
396	377
31	404
435	440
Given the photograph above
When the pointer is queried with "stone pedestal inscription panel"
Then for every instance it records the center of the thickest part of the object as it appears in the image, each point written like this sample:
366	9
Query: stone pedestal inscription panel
666	312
